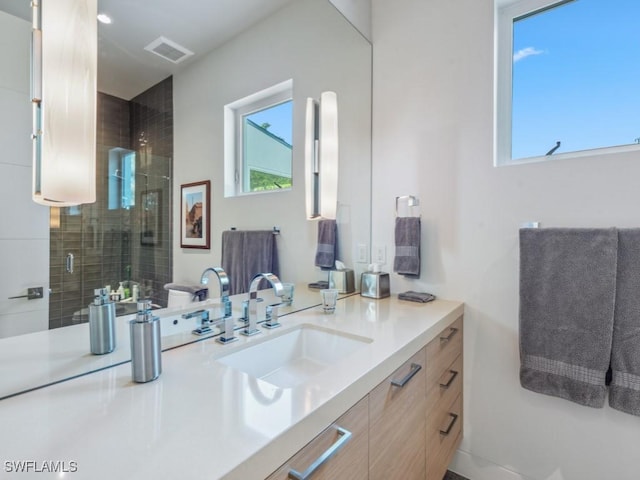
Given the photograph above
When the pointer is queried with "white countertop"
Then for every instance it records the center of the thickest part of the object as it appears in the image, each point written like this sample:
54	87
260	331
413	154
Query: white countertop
42	358
202	419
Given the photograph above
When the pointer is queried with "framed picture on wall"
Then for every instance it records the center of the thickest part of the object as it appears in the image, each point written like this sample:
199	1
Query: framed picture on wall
151	204
195	216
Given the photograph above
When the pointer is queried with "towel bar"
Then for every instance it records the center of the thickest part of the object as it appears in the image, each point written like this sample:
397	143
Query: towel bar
275	230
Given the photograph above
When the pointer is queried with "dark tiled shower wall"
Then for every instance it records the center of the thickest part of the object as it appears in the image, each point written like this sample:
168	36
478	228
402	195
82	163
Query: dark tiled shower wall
152	138
106	244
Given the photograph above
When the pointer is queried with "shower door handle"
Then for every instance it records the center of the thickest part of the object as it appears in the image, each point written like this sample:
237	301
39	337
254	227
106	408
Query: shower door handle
70	262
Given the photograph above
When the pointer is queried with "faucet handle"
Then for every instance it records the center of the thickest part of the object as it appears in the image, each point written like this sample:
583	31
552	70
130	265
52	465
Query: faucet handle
272	316
205	321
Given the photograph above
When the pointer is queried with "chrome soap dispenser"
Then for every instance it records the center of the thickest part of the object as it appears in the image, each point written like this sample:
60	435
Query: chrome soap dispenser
146	348
102	317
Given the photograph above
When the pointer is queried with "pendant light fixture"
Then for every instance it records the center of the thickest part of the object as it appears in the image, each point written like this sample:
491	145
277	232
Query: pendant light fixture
63	93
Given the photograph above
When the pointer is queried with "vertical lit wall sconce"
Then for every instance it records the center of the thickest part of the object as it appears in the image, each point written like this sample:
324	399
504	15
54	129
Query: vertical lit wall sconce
321	156
63	92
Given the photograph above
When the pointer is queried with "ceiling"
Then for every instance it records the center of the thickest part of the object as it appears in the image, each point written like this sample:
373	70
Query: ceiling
125	69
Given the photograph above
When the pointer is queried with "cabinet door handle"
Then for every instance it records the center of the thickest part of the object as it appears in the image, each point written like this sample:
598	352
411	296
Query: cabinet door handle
415	368
454	418
450	336
454	374
344	437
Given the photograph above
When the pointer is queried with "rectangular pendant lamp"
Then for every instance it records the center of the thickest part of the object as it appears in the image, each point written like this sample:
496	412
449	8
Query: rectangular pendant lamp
63	92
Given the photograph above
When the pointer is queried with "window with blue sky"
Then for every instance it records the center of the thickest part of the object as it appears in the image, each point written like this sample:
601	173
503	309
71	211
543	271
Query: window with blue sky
575	78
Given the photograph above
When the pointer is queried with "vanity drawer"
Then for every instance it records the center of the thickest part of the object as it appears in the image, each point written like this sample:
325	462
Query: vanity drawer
447	387
444	432
442	351
343	446
397	423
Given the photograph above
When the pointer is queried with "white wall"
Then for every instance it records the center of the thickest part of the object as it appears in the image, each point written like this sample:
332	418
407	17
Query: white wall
311	43
24	226
432	124
358	12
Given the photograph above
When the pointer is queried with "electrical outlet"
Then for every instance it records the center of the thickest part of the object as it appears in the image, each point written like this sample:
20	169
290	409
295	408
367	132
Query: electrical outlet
362	254
380	254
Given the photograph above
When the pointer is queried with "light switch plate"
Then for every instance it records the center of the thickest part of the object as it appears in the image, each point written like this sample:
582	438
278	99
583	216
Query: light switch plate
380	254
362	254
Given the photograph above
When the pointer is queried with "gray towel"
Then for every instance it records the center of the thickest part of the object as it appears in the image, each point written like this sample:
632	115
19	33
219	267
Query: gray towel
246	253
199	292
327	244
625	351
183	288
407	237
421	297
567	294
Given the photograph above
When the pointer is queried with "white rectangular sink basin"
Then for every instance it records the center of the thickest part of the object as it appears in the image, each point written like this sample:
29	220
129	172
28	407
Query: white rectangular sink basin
294	357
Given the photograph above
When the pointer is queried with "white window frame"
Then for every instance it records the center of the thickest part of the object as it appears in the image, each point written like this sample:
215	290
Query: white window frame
234	114
506	12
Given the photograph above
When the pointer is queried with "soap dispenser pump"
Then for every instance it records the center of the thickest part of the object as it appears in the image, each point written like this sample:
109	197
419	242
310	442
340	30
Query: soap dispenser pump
146	348
102	315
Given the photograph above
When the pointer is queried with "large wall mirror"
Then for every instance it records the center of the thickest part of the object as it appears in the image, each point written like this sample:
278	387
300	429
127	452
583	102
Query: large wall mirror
146	151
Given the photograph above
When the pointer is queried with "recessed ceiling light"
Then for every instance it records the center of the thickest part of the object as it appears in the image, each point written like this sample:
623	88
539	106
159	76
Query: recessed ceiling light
104	18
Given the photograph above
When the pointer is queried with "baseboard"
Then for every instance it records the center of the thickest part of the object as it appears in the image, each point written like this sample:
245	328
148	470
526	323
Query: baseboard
476	468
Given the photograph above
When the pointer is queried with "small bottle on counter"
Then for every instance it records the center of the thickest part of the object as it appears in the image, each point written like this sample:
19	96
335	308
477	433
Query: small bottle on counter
102	316
146	348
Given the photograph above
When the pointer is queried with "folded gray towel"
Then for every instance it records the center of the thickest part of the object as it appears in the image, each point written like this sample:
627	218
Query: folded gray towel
407	238
412	296
327	243
320	284
567	294
624	391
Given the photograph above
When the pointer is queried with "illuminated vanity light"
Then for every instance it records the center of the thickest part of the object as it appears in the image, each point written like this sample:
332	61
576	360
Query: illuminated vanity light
63	92
321	157
104	18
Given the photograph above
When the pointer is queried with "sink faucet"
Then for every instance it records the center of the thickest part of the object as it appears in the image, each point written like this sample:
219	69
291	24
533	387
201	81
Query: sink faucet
226	321
252	321
223	282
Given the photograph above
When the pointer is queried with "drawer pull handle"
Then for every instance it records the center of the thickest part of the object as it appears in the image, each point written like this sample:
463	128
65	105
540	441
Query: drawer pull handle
345	436
453	376
450	336
415	368
454	418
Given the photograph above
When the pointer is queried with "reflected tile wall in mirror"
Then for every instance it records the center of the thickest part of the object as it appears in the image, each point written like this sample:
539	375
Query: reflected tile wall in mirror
107	242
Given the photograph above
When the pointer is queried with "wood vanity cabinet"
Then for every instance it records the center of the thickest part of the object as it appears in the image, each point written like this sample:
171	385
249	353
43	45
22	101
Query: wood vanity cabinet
444	399
350	460
406	428
397	423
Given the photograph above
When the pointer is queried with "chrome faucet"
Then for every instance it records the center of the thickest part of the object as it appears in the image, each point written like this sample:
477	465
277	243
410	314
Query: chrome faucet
226	321
223	282
252	320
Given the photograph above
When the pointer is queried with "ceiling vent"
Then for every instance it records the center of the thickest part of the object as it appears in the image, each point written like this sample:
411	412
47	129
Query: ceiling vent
171	51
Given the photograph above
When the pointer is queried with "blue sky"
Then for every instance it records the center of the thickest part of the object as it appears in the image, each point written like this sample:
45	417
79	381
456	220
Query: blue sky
280	118
576	77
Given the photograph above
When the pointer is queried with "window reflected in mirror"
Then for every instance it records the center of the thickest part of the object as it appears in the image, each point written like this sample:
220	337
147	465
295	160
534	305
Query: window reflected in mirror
259	141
